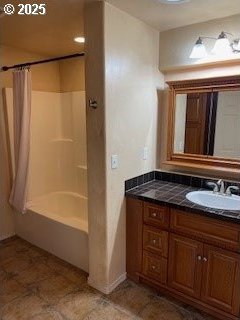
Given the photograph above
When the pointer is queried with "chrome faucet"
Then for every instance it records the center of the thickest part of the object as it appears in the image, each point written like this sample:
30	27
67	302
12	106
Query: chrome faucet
219	188
221	185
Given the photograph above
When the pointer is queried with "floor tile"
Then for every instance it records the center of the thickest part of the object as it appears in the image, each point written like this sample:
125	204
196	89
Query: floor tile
71	273
23	308
107	311
35	273
53	289
131	297
10	290
35	285
79	305
162	310
16	264
48	315
3	276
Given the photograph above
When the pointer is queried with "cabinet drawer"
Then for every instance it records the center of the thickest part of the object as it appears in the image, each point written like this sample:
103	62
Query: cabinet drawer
156	215
218	233
155	240
155	267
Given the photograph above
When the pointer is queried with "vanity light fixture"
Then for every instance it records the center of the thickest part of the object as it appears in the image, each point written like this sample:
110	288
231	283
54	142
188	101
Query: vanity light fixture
222	46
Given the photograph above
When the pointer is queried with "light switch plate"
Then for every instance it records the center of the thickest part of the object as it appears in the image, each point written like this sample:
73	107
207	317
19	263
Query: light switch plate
114	161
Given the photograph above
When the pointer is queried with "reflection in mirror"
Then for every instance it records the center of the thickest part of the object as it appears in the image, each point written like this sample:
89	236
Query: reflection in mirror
208	123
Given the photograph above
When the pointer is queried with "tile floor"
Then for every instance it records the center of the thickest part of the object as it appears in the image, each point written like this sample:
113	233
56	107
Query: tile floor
34	285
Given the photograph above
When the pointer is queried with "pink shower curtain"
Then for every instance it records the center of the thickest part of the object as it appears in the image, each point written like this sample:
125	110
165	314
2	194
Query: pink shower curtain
21	118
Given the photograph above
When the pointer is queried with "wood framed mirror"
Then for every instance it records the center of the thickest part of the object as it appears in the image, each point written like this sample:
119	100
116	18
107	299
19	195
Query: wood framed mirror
204	124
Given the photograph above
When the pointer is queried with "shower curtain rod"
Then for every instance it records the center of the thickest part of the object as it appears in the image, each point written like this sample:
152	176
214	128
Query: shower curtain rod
28	64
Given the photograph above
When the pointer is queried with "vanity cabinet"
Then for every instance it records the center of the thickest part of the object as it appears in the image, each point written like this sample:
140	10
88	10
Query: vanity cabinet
189	256
221	279
185	265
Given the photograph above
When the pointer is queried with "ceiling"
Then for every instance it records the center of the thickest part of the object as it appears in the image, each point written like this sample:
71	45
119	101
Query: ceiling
49	35
171	16
53	33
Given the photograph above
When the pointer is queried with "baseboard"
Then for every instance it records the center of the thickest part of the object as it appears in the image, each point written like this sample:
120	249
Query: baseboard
107	289
6	236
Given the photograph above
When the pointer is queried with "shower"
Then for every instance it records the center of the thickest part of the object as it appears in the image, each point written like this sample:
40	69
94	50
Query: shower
56	216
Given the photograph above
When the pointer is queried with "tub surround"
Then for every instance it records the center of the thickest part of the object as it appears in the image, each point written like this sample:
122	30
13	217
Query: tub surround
187	251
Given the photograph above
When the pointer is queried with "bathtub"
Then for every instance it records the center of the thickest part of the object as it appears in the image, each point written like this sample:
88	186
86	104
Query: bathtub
57	222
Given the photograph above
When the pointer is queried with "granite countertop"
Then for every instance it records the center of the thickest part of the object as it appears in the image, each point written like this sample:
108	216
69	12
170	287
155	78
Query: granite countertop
174	195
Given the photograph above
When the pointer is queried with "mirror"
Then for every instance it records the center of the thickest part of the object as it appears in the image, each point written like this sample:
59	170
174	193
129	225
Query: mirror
204	124
208	123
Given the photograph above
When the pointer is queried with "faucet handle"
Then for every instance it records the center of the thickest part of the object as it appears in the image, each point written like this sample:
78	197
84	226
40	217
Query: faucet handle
229	193
214	185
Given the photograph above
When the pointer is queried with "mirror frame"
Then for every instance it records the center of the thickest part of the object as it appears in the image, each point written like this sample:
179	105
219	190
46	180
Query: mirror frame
194	160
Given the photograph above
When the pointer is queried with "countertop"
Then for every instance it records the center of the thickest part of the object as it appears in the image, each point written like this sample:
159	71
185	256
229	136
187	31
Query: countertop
174	195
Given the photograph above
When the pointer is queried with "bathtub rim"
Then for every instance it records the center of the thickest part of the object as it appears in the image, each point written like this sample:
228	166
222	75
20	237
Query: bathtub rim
76	223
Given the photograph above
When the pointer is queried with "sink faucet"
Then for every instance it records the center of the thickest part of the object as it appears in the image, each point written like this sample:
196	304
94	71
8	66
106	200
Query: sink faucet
219	188
221	185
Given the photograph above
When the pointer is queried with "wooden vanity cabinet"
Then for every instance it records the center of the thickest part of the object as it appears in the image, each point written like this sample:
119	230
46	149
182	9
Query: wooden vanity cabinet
185	265
221	279
186	255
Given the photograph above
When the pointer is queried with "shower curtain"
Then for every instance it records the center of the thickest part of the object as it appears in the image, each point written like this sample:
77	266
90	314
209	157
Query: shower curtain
21	118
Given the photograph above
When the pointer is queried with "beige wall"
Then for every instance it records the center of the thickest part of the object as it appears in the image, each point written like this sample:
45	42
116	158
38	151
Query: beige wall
63	76
45	77
176	44
72	75
123	125
132	82
96	145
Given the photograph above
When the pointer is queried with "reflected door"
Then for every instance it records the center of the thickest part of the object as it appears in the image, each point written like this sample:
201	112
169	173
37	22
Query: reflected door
195	123
227	138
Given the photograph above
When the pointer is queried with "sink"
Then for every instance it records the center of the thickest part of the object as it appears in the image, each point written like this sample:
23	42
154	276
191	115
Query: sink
214	201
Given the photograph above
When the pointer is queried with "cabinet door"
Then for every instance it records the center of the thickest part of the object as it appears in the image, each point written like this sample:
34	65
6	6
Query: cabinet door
221	279
185	265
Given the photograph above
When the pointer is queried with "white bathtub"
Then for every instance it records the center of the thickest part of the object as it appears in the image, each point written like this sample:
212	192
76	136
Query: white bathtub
57	222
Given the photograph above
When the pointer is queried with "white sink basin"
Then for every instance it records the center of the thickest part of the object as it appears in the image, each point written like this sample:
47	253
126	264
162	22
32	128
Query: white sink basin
215	201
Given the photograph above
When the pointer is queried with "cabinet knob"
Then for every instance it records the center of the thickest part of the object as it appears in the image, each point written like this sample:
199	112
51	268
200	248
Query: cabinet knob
205	259
153	267
154	241
154	214
199	258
